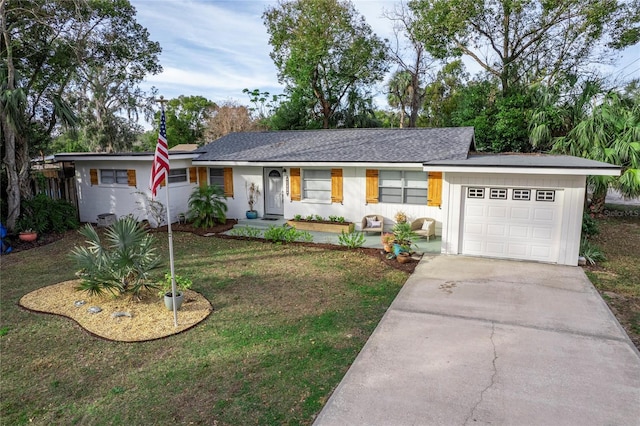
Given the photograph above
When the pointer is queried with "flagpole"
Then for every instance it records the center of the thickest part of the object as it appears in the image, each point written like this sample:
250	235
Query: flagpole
162	101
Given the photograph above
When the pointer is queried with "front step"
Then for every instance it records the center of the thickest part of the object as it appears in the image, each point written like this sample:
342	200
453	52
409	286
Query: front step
259	223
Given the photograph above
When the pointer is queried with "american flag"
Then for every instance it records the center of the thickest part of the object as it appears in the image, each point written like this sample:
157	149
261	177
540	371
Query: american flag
160	167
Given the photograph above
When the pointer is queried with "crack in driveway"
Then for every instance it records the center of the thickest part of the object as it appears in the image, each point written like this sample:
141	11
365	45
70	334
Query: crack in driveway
493	377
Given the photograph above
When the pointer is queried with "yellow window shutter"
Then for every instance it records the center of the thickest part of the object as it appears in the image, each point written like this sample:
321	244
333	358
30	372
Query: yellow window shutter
434	198
372	186
336	185
193	175
294	175
228	181
202	176
131	178
93	174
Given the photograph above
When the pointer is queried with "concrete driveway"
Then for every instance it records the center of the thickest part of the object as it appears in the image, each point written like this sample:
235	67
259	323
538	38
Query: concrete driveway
480	341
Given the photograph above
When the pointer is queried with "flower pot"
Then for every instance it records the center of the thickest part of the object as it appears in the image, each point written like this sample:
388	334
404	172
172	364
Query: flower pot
388	248
168	300
252	214
404	257
28	236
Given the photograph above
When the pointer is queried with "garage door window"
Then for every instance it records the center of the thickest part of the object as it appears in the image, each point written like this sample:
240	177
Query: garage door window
544	195
498	193
522	194
475	193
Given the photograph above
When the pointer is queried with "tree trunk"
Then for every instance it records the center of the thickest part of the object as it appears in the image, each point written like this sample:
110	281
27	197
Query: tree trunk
8	130
597	202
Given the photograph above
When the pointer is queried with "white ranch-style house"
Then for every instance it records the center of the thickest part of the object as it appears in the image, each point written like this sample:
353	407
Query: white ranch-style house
514	206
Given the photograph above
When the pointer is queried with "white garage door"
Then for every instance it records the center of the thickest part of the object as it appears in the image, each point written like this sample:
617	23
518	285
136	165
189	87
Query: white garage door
512	223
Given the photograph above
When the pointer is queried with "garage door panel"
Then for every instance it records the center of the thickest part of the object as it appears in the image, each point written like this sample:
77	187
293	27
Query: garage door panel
497	230
497	212
515	229
520	213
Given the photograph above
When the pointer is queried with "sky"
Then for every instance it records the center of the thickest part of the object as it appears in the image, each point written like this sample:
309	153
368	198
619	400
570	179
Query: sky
216	49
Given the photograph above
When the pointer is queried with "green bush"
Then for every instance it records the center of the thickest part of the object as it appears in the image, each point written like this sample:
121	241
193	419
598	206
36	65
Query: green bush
589	226
591	252
286	234
207	205
43	214
246	231
120	265
351	239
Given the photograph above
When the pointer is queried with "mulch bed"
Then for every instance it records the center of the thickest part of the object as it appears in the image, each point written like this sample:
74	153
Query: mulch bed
218	230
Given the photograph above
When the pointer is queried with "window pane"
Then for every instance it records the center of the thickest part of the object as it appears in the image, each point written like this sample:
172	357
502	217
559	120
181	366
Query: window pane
317	184
107	176
121	177
389	178
415	179
177	175
390	195
415	196
216	177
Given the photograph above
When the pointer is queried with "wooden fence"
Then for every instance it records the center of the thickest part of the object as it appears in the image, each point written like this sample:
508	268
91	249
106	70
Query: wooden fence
58	184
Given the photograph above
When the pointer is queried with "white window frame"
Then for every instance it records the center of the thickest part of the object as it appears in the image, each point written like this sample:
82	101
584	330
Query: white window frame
475	192
118	177
521	194
406	190
214	179
546	195
178	175
317	182
498	193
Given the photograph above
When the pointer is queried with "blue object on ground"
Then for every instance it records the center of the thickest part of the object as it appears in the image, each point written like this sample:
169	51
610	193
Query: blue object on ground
4	248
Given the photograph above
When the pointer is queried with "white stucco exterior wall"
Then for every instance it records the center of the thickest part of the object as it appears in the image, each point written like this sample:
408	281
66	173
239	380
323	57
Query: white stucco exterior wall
121	199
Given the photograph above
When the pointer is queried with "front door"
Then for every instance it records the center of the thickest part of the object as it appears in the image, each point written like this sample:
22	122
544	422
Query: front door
273	196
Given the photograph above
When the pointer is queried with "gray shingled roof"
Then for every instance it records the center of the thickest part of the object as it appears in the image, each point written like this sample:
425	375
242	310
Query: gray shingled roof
525	160
415	145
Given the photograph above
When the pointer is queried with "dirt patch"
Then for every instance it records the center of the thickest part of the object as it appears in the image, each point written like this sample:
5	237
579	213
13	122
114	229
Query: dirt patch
149	318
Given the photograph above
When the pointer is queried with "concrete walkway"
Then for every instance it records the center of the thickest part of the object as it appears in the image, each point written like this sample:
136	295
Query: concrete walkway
472	341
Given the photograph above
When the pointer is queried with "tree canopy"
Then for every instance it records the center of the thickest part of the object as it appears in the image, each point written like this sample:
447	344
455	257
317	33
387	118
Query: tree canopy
523	41
325	48
64	62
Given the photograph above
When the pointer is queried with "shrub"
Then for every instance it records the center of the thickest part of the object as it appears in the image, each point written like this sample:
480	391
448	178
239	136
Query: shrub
286	234
207	205
589	225
351	239
120	265
44	214
297	217
591	252
246	231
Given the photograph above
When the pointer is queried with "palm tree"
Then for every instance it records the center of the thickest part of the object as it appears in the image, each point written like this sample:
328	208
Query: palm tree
610	133
207	205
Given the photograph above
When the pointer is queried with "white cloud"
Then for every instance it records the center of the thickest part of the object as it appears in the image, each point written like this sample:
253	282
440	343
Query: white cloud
217	48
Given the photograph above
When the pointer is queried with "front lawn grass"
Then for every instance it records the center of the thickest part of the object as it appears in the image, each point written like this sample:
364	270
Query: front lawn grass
618	278
288	322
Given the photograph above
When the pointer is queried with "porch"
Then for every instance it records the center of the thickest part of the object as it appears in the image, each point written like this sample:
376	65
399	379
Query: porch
371	240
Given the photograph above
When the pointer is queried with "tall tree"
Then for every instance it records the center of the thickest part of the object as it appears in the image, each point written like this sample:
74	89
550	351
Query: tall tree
413	61
519	41
47	50
187	118
326	47
227	118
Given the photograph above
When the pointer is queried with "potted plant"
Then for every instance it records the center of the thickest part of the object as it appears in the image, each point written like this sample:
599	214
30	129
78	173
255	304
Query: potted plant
400	217
253	192
182	284
28	235
404	237
387	241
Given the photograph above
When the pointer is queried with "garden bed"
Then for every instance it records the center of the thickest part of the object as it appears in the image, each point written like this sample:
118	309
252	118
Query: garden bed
322	226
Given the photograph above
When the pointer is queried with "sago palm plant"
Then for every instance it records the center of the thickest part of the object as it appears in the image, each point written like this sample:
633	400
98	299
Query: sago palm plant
207	205
119	265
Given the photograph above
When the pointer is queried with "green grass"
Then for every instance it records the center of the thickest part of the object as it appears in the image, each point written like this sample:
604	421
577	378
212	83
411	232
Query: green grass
287	324
617	276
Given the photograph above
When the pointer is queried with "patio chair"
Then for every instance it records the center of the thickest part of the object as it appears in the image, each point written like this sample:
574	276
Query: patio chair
373	223
424	227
